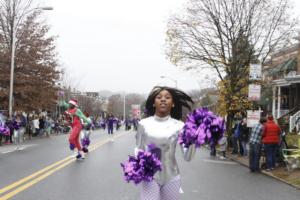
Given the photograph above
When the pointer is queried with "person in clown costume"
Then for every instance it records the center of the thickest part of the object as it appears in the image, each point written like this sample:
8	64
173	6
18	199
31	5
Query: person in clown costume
74	115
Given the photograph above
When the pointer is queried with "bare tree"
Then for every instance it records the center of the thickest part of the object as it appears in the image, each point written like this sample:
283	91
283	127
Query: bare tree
90	104
227	35
35	60
116	103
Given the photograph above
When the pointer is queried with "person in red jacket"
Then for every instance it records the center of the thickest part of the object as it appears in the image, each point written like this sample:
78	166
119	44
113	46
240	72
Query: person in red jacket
270	139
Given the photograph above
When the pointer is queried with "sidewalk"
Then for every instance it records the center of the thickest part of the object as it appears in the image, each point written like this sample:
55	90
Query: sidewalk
27	142
27	137
279	173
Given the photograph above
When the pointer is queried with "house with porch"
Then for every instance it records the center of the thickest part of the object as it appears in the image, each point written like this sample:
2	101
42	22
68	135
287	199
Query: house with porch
282	72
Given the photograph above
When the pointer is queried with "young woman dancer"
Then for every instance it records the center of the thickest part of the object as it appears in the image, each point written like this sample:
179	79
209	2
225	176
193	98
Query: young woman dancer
164	108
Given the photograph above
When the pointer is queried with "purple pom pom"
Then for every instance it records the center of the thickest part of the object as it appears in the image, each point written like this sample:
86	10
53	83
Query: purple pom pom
142	167
85	142
200	127
4	130
72	147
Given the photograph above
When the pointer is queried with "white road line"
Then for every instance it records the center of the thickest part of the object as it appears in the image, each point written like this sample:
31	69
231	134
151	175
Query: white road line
13	148
220	162
4	152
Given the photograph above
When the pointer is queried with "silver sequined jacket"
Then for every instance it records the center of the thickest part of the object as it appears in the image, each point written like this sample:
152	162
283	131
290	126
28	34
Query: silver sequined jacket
163	132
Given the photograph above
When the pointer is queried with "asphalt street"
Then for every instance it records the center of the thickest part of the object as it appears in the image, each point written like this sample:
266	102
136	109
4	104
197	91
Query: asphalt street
99	176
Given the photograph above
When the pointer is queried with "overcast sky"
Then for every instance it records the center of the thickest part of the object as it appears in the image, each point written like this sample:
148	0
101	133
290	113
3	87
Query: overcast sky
117	45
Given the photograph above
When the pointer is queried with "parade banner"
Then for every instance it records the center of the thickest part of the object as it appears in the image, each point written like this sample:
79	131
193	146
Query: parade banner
254	92
255	72
253	117
136	111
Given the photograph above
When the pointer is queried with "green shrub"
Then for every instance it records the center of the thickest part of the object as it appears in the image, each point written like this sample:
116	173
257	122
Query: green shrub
292	140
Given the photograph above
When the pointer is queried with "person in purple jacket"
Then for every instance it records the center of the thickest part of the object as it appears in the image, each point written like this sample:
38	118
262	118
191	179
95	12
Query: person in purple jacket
19	124
110	126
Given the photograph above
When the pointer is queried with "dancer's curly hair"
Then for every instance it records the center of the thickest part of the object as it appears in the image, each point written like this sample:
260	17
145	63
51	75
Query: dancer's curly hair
180	99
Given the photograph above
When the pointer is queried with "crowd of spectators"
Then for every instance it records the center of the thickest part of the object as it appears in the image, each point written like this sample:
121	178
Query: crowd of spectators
29	125
263	139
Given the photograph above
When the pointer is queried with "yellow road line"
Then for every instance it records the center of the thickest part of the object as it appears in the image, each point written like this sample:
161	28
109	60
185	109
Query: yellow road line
17	183
34	181
97	146
45	175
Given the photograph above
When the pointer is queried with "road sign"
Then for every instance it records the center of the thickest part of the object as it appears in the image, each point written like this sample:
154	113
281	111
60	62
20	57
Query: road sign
254	92
136	111
255	72
253	117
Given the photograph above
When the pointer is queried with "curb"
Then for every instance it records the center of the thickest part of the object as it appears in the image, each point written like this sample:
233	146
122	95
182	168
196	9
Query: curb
266	173
27	138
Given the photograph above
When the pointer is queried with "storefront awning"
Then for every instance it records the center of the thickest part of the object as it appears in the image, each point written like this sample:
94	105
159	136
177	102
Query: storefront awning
287	81
286	66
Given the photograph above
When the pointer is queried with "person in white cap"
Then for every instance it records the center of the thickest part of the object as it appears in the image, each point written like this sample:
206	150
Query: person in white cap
75	115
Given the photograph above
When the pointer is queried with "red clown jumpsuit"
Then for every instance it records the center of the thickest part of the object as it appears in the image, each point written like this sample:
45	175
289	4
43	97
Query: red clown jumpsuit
75	132
75	115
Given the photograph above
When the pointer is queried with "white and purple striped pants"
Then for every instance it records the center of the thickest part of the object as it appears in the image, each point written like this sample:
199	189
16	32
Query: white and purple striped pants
154	191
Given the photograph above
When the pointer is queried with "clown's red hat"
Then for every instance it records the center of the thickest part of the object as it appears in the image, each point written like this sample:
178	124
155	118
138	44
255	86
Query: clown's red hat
73	102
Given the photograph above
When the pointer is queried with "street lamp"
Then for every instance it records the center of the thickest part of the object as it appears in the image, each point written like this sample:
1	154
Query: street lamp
124	107
13	51
175	81
45	8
